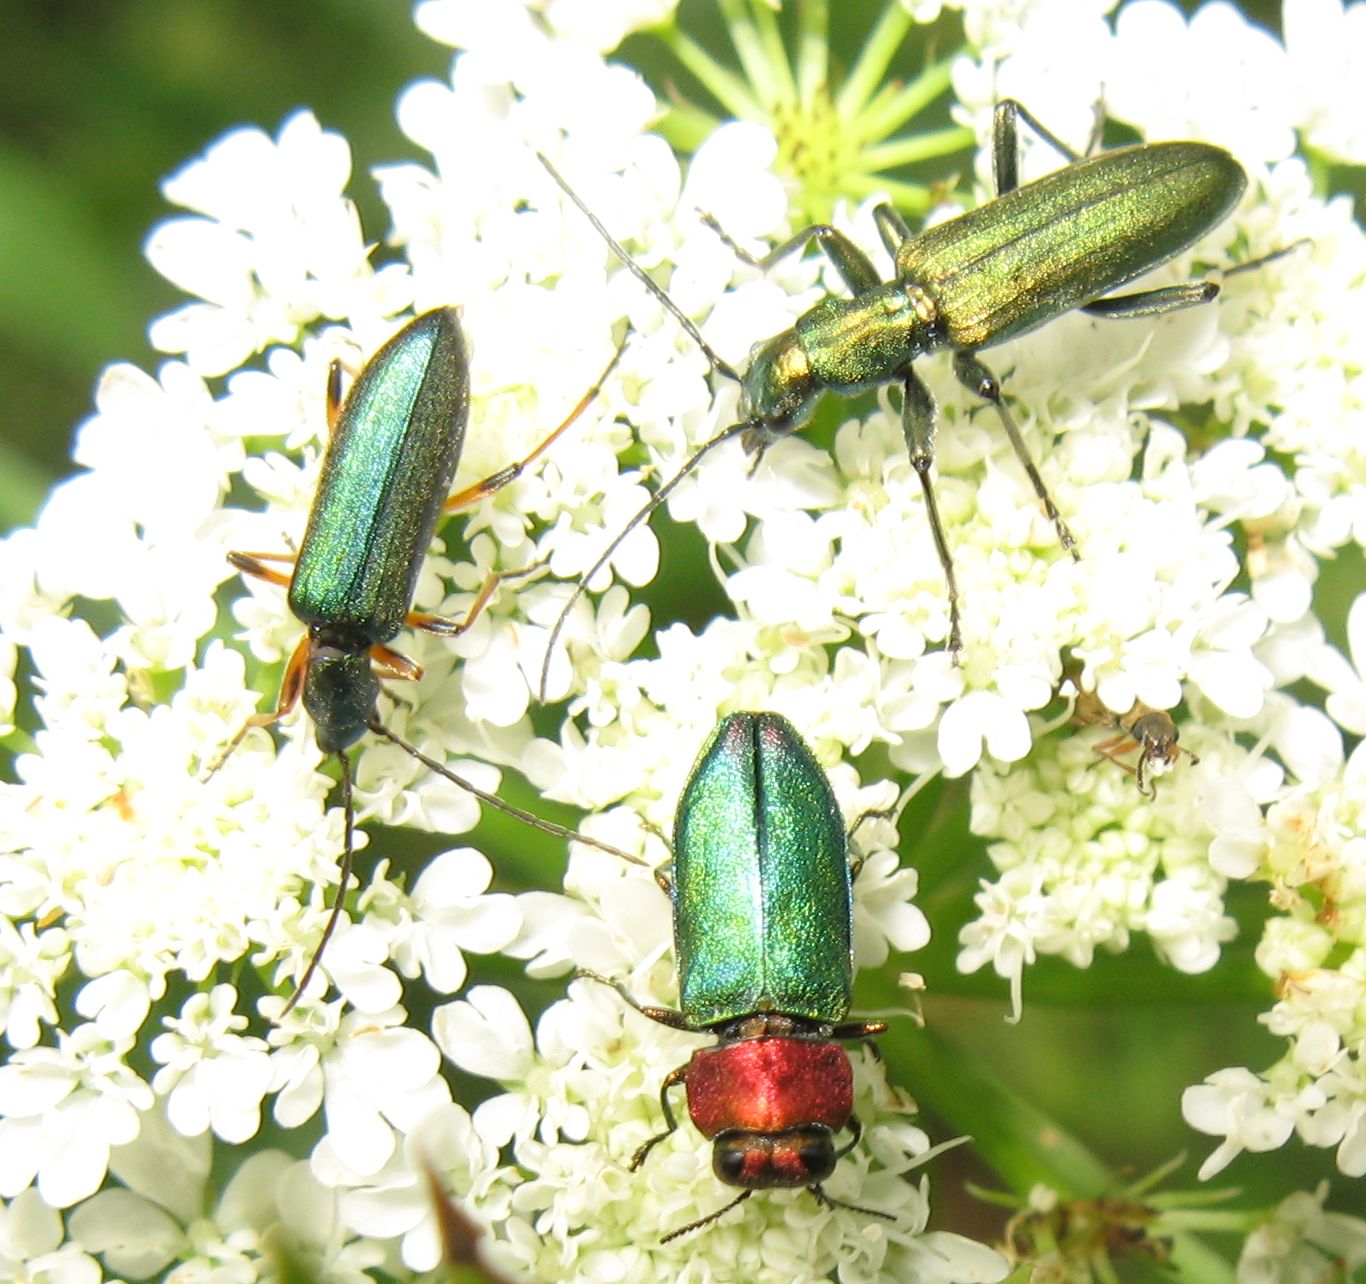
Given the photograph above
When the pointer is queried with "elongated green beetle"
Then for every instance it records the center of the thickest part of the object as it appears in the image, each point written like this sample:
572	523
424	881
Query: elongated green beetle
763	933
394	447
971	282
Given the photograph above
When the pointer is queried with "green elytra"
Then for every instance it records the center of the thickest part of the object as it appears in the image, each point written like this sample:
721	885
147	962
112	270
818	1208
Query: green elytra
383	487
384	484
1013	264
762	896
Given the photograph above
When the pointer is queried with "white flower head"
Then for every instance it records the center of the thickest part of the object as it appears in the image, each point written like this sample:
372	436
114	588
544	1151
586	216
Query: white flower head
158	913
273	244
1303	1239
63	1110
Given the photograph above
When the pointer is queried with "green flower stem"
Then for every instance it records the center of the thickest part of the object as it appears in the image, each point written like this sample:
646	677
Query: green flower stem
1021	1143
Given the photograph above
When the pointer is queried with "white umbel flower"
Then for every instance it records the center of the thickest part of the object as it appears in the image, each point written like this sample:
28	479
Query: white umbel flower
157	915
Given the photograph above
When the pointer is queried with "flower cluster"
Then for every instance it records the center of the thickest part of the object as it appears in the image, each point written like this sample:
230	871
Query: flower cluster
154	914
1083	860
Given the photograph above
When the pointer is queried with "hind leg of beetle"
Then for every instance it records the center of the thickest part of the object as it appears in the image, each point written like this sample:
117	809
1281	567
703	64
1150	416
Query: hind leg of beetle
672	1079
917	422
506	476
1153	303
855	1133
1005	141
891	227
1172	298
974	376
665	1016
444	627
490	485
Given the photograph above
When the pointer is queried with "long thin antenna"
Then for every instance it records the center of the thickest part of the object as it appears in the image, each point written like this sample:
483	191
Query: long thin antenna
721	367
717	364
348	854
655	500
526	817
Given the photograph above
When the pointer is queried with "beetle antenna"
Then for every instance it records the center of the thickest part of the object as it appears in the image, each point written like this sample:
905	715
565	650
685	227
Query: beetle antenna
646	509
527	818
717	364
707	1220
826	1201
348	851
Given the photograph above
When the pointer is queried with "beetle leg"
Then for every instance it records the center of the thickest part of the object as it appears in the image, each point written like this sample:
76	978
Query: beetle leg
505	476
1172	298
290	690
334	394
893	229
872	813
1153	303
671	1080
448	628
917	422
855	1132
393	666
494	482
489	485
665	1016
860	1030
1005	142
974	376
251	564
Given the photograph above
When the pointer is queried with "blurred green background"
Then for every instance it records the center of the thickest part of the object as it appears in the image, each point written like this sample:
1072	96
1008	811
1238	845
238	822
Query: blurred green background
99	101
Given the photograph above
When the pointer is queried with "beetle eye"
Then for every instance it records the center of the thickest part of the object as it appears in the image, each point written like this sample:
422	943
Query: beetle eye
728	1159
816	1153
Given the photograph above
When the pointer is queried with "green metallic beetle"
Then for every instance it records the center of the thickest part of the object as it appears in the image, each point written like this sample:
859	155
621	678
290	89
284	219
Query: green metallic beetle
394	447
395	443
762	897
969	283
